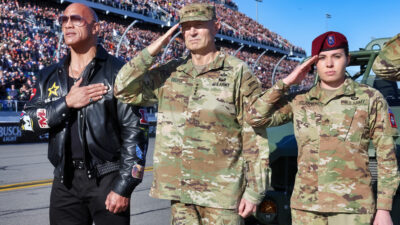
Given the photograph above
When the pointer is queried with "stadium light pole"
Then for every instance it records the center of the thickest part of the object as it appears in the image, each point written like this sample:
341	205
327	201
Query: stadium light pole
257	1
276	67
60	40
122	37
327	16
277	64
238	50
258	59
169	43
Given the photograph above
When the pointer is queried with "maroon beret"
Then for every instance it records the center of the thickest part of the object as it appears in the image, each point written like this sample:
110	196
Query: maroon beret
328	41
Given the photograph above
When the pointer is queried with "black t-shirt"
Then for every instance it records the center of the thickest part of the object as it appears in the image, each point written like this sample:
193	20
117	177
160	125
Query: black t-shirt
74	145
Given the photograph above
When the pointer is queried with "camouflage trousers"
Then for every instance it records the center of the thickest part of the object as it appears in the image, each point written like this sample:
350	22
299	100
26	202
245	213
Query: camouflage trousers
189	214
301	217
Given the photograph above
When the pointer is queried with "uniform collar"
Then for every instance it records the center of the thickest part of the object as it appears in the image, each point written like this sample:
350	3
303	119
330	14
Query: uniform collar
188	67
347	89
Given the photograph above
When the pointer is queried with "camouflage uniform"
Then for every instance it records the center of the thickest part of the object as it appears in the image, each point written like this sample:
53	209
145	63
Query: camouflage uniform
301	217
205	154
333	134
387	64
185	214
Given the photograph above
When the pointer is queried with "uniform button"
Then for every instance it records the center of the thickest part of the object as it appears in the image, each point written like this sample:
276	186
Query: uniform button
81	116
62	181
88	172
90	176
63	114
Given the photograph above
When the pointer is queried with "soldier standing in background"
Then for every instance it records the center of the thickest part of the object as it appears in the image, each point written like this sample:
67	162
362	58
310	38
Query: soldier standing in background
387	64
333	124
207	160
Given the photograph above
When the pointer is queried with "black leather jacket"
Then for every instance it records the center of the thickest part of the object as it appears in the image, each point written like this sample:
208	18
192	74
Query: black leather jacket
110	131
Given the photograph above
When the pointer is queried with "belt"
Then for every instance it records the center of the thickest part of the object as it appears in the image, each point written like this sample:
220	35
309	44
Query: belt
78	164
102	169
107	167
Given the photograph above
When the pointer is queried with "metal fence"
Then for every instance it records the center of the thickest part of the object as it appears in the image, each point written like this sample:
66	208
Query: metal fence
11	105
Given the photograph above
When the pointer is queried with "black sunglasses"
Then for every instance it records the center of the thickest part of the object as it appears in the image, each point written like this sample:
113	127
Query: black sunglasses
76	20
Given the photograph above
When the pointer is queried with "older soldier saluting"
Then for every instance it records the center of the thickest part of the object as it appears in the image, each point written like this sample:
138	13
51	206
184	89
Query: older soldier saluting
333	124
207	160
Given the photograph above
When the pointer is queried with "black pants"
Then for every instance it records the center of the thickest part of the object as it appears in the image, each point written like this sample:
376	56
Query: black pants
84	202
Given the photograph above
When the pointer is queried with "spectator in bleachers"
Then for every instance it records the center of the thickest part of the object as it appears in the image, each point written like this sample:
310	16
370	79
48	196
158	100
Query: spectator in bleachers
12	93
24	93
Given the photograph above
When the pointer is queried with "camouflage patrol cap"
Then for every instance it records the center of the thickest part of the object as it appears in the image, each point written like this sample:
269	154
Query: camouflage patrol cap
197	12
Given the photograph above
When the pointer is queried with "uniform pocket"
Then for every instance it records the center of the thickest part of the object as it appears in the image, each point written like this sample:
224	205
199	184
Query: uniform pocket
353	125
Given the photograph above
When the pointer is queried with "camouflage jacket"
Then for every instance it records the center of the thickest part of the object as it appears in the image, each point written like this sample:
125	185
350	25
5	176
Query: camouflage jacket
387	64
333	133
205	154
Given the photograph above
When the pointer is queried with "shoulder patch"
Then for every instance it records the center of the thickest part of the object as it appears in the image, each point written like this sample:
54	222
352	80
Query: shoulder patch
42	118
26	122
137	171
250	85
139	152
392	119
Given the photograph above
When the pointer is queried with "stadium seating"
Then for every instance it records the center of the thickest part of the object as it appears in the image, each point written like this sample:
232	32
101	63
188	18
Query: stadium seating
29	35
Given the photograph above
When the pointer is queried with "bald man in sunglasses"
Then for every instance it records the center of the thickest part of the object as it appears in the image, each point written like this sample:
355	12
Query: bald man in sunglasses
96	143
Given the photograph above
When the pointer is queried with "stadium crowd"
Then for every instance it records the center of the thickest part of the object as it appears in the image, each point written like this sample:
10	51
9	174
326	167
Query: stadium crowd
26	46
29	38
265	66
234	23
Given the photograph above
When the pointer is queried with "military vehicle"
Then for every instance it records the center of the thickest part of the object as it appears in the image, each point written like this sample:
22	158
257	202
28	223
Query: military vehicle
275	208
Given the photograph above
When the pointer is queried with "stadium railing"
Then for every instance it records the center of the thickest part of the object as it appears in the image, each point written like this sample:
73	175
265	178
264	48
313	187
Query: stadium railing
11	105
